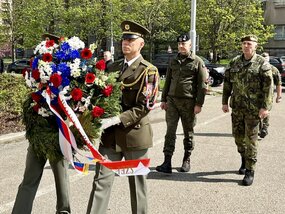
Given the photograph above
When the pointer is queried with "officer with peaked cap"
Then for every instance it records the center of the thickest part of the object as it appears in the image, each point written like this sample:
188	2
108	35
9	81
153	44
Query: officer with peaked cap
182	98
128	135
248	86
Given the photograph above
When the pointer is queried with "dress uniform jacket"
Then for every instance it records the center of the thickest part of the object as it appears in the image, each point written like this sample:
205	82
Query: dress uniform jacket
134	132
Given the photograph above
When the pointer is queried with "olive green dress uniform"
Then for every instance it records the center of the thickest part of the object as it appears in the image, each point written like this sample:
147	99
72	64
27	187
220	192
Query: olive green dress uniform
249	84
131	140
277	81
185	86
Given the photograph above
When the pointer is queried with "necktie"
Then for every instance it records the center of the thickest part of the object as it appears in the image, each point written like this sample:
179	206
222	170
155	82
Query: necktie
125	66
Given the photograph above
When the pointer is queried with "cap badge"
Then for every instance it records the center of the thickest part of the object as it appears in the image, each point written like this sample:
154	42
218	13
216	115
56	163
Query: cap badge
127	27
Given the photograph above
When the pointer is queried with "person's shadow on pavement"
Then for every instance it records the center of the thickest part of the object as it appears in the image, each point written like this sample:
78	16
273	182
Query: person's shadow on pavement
194	177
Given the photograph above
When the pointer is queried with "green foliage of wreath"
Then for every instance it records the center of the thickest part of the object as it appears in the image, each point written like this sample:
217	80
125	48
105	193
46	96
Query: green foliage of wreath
41	132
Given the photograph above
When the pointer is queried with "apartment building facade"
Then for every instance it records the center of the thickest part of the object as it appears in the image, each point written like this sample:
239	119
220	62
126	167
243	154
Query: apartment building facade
274	14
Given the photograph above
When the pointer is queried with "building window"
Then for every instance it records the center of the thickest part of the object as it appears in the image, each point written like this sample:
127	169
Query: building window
279	3
279	32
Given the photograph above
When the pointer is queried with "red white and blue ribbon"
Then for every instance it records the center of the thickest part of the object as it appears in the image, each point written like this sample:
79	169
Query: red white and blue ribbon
68	144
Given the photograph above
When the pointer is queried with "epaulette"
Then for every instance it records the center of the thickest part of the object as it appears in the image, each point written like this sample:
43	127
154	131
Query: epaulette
146	63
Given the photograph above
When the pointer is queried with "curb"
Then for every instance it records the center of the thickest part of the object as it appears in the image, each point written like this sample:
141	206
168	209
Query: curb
12	137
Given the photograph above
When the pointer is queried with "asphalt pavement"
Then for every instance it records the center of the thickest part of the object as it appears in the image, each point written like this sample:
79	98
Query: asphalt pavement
213	186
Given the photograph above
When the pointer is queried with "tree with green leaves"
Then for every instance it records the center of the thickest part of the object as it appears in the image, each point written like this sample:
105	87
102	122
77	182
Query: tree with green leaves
221	24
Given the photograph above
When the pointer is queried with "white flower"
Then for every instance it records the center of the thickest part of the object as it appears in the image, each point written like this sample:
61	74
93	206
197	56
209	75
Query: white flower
44	112
75	43
92	47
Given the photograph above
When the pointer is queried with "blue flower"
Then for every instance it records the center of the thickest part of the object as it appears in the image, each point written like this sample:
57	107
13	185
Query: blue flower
65	47
35	63
64	69
60	55
74	54
53	67
65	81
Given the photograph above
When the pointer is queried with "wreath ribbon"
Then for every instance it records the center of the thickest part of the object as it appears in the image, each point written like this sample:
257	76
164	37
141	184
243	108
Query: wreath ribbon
67	142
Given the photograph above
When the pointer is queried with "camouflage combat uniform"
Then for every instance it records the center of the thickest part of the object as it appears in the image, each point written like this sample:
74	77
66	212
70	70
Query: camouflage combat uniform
249	84
184	88
277	81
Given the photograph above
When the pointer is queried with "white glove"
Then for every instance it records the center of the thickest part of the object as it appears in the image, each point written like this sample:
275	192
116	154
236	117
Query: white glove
111	121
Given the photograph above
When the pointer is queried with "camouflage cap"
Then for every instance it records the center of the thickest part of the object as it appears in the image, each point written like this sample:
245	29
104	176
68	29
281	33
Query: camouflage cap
249	37
51	37
183	38
133	30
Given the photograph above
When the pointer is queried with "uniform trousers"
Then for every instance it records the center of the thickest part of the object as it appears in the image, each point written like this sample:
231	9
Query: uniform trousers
104	178
32	177
245	127
182	108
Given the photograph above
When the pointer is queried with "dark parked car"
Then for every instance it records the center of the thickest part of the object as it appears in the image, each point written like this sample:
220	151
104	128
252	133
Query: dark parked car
216	72
18	66
280	65
161	62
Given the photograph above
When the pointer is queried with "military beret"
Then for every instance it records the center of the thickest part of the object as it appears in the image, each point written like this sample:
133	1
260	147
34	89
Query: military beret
183	38
133	30
51	37
249	37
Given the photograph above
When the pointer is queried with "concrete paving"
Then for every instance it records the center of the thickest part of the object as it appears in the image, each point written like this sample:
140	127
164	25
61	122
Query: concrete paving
213	185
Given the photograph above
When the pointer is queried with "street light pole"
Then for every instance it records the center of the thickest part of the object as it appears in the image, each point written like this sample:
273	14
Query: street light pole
193	26
112	49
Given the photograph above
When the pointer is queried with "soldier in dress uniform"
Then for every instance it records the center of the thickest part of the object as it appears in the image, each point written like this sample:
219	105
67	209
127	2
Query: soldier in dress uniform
248	84
130	133
35	162
182	98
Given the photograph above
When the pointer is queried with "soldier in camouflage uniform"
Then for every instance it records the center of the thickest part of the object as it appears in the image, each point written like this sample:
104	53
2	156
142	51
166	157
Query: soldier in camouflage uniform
264	124
182	97
248	81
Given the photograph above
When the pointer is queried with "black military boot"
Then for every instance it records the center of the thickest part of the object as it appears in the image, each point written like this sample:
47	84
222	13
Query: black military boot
248	178
241	170
186	162
263	133
166	165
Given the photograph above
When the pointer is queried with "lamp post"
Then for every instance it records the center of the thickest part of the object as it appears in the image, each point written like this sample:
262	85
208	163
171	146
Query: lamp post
193	26
112	49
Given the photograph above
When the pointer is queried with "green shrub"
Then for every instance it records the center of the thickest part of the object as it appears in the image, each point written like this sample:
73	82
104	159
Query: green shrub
13	92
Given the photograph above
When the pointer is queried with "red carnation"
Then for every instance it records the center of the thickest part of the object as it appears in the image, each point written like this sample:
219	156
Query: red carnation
36	74
36	97
90	78
107	91
101	65
49	43
55	79
86	53
76	94
47	57
97	111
